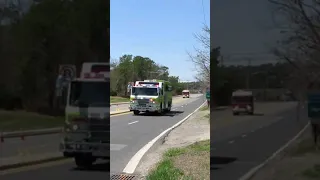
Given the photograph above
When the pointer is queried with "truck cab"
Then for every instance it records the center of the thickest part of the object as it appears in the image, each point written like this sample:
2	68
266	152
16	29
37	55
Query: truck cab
86	129
185	93
242	101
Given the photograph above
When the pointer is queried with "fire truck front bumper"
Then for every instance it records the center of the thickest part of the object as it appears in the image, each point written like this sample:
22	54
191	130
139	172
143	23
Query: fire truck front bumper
70	149
144	108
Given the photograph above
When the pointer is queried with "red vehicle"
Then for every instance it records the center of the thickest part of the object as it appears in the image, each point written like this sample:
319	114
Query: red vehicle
242	101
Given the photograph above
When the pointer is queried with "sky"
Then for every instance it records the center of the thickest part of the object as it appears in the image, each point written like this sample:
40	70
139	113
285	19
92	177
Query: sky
162	30
243	29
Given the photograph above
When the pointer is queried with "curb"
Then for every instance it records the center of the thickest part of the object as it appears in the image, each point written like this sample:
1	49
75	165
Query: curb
254	170
32	162
135	160
16	134
121	112
119	103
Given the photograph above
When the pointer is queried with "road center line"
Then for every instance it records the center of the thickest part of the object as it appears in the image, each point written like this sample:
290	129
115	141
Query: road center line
133	122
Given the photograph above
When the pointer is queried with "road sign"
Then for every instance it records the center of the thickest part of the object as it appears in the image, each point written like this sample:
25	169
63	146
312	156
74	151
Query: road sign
68	71
314	105
208	95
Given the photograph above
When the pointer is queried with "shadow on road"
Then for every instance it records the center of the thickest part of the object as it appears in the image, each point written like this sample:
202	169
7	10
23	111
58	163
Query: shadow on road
171	114
102	167
258	114
216	161
255	114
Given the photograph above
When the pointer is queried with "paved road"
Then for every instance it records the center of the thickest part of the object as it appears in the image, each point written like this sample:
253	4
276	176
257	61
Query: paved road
128	134
49	143
123	107
238	148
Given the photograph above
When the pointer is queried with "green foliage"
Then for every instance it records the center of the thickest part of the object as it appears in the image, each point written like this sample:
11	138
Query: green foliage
226	79
50	33
131	68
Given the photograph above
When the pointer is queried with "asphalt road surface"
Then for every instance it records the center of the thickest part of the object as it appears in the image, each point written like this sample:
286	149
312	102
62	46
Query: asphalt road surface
129	133
238	148
49	143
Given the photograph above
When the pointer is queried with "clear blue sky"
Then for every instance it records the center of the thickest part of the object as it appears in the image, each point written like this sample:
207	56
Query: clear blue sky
159	29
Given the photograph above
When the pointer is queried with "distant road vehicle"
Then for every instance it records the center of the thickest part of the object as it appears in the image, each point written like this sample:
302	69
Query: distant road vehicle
185	93
242	101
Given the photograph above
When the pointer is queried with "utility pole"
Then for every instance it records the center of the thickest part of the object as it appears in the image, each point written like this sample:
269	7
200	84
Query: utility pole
248	74
222	61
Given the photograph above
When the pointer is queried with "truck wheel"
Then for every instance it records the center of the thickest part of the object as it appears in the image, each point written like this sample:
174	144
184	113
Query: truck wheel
235	113
136	112
84	161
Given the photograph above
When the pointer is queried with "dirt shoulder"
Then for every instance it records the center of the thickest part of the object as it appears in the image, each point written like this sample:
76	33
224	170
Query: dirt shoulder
299	162
179	149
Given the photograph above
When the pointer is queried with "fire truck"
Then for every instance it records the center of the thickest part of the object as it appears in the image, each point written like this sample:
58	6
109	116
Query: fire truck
242	101
87	116
151	96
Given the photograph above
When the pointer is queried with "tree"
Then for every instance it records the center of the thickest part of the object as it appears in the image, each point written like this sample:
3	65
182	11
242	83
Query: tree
131	68
202	57
50	33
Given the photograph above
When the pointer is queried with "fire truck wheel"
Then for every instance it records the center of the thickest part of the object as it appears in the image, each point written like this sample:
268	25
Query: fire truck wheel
84	161
235	113
136	112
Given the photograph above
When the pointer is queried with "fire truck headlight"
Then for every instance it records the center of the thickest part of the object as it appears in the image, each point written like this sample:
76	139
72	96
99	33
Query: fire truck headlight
75	127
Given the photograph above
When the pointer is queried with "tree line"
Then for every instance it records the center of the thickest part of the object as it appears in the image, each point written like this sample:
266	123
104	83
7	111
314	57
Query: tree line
34	43
129	68
264	76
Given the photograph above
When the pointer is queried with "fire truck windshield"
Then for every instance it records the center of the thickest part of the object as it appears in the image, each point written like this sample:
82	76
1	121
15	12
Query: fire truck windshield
144	91
92	94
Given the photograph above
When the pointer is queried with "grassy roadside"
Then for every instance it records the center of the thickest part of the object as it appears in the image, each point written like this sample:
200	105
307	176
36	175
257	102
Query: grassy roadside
173	166
20	120
305	150
300	161
116	99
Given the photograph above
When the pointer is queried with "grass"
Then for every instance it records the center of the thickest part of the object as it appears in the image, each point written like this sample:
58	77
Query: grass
20	120
303	147
204	108
188	163
117	99
312	173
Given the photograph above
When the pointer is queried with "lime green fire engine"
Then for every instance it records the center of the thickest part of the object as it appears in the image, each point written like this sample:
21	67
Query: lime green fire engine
151	96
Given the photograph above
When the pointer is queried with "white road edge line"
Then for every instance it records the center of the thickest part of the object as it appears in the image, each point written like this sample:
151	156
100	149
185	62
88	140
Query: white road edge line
134	161
133	122
254	170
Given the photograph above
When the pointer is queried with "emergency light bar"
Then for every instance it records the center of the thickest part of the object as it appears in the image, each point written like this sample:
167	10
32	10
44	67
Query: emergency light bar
153	80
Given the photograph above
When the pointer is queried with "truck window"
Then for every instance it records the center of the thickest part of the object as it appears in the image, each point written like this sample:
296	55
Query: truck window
100	68
145	91
94	94
242	98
